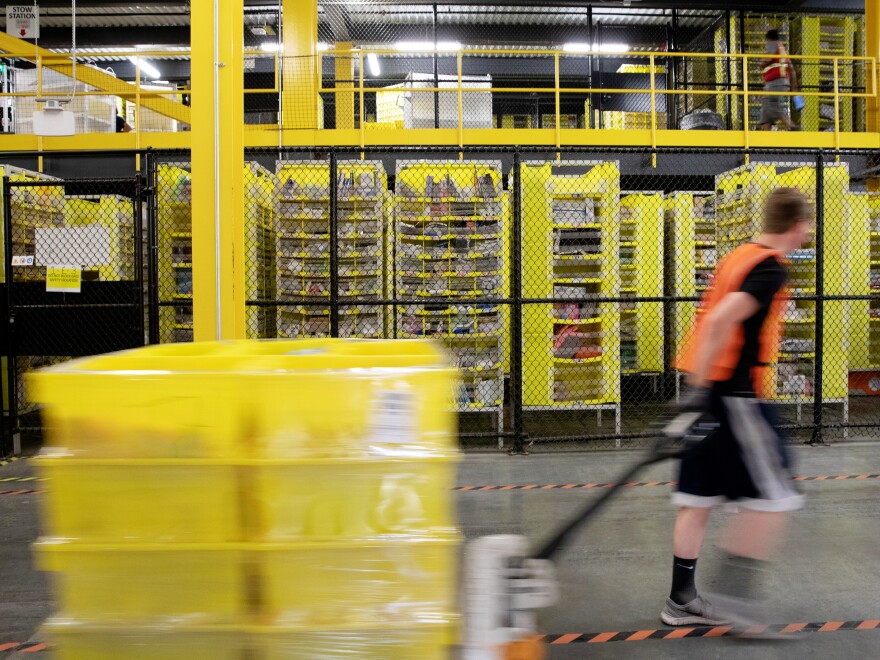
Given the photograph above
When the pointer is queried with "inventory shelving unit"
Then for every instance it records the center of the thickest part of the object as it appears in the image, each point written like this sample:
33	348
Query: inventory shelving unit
259	246
739	201
571	350
174	204
450	251
641	264
825	35
303	281
863	280
691	257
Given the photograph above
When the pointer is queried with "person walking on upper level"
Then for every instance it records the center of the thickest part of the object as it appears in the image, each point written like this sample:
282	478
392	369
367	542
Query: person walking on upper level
779	76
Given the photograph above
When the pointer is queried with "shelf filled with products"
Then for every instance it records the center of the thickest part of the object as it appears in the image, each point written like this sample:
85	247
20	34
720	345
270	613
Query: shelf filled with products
174	210
741	194
641	264
864	280
825	36
116	214
302	235
259	246
451	224
571	351
691	255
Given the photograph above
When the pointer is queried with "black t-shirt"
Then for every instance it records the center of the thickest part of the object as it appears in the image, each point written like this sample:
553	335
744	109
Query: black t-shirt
763	283
120	124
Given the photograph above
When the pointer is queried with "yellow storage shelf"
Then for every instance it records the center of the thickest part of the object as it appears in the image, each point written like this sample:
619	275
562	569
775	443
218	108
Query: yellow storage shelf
571	252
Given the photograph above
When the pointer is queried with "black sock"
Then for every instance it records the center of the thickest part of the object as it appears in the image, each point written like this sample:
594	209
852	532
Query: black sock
683	588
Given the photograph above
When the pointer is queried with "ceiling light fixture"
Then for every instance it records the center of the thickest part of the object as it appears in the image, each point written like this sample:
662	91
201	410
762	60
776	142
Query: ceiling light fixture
146	68
427	46
582	47
322	46
271	47
373	63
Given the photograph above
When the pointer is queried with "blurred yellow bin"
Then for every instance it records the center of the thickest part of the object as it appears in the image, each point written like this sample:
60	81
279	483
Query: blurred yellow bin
146	583
389	641
335	498
353	583
73	640
113	500
267	399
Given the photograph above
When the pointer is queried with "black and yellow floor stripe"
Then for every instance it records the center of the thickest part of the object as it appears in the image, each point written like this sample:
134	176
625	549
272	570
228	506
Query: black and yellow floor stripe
711	631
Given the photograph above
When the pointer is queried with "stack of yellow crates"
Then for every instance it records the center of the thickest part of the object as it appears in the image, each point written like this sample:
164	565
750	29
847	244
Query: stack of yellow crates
239	500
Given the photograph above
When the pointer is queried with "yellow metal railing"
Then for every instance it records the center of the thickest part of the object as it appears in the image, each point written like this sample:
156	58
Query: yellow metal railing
746	94
165	101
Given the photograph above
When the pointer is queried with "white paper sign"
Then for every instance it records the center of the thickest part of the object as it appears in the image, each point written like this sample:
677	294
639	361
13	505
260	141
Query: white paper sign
85	245
23	260
23	21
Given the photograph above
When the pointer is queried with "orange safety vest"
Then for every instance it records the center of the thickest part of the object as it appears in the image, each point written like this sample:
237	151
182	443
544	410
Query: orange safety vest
778	68
732	270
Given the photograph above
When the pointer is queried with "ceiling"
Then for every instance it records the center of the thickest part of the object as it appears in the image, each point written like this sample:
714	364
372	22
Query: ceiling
165	23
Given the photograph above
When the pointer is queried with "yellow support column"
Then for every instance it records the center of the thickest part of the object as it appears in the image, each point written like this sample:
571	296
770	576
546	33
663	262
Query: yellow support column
344	80
300	75
872	49
217	165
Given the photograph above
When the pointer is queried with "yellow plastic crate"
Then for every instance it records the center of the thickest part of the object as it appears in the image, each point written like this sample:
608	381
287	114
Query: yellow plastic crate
146	583
313	499
161	501
75	641
386	642
321	585
252	399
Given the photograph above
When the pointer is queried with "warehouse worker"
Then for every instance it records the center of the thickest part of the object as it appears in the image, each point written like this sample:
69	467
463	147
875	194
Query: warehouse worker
779	76
727	355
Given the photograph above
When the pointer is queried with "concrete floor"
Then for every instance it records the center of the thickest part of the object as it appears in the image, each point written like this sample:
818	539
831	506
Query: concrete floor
615	574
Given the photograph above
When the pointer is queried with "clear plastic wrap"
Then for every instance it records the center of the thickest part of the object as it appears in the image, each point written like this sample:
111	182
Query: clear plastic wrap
290	496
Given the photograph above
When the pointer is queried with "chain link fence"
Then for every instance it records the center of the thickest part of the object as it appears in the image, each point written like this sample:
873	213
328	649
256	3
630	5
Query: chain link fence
74	271
411	81
562	284
592	264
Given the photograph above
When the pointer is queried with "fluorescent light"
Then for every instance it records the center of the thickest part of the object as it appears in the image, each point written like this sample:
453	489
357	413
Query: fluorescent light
577	47
448	45
614	48
271	47
322	46
146	68
582	47
373	63
427	46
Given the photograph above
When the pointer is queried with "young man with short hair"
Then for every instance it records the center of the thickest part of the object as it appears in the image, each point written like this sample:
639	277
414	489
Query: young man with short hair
734	342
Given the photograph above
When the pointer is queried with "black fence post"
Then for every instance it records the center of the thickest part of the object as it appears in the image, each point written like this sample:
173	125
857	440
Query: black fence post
9	321
816	438
334	248
137	204
152	250
516	313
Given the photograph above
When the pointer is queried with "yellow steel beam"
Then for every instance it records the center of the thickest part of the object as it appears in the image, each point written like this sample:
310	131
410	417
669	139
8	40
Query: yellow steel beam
300	72
872	49
217	167
92	76
344	81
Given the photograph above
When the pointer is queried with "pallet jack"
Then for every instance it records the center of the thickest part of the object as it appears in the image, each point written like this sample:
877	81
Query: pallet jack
505	583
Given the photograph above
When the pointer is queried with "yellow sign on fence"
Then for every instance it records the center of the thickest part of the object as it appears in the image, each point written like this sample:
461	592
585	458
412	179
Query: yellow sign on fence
64	279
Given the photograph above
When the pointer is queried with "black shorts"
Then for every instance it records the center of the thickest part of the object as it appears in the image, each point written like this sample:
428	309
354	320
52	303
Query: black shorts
744	461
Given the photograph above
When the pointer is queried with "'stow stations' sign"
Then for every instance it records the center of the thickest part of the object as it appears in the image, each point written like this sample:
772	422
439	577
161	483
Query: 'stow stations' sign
23	21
